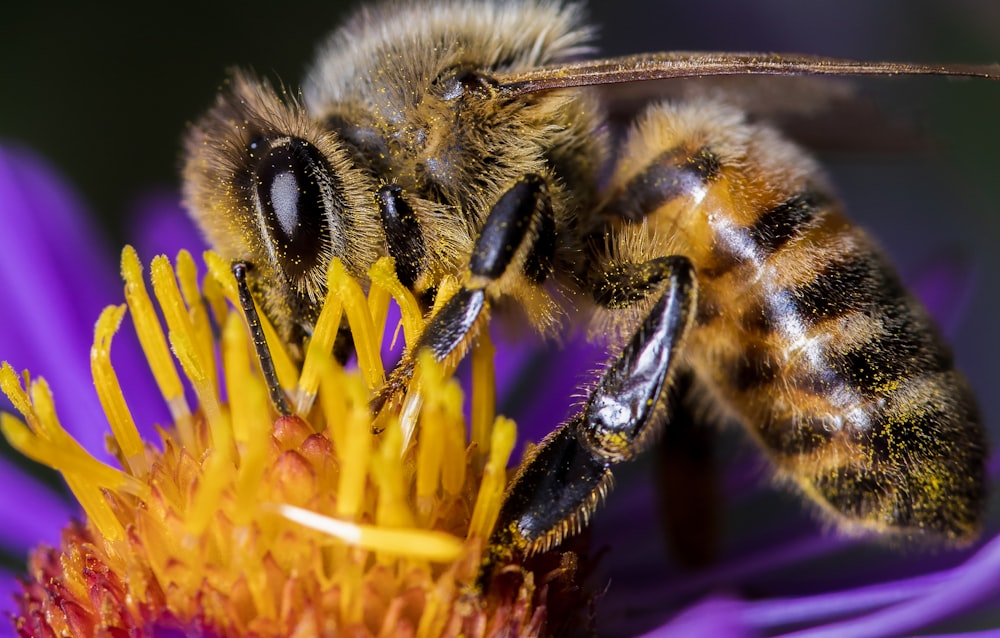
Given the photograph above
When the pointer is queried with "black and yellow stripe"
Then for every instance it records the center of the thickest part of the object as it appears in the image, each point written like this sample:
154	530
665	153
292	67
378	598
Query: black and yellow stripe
803	328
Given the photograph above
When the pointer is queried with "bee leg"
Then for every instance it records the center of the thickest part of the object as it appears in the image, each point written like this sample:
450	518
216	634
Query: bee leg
685	455
259	342
561	484
518	230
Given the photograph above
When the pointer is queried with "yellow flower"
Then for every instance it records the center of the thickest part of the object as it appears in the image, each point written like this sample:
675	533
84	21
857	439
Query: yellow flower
240	523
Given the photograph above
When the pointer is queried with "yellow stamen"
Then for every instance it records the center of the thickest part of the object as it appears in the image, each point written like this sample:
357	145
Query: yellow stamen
69	459
383	276
187	277
335	395
215	297
392	509
361	322
321	343
414	543
154	343
254	457
248	524
491	490
239	378
431	452
378	308
183	340
110	393
354	445
216	476
484	406
47	442
45	439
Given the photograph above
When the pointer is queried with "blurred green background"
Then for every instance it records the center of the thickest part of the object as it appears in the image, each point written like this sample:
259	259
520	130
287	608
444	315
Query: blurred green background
106	92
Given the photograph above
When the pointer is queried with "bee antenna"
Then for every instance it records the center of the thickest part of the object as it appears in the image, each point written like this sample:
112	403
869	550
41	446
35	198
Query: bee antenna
663	66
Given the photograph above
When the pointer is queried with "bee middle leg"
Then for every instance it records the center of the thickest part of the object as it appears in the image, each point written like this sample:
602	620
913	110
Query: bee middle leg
561	484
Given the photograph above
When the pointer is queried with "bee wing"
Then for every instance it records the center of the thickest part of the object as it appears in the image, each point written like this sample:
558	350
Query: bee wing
827	114
945	284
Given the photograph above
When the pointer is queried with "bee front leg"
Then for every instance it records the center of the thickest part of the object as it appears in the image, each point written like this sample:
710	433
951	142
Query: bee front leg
278	399
517	240
568	474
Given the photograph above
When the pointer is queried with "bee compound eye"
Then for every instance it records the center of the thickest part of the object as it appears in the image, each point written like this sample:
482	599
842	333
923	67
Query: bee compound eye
296	197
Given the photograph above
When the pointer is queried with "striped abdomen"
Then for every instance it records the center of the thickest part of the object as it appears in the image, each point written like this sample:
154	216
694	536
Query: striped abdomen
804	331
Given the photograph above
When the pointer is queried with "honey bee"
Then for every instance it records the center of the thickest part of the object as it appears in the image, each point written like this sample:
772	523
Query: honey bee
464	138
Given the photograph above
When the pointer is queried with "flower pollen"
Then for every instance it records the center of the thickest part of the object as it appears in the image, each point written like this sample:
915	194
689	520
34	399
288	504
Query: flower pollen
239	522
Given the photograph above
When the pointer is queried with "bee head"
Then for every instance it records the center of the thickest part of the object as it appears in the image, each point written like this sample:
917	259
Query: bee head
269	187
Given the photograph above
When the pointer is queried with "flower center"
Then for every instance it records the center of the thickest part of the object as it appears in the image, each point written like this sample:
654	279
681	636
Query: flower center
242	523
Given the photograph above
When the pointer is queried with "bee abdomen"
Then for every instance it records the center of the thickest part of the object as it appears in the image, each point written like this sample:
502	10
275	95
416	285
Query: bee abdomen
918	468
844	378
674	173
803	330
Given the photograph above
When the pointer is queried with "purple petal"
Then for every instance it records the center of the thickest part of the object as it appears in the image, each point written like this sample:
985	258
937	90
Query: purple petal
37	513
56	277
9	586
541	384
716	616
392	352
784	612
643	592
72	277
975	583
986	633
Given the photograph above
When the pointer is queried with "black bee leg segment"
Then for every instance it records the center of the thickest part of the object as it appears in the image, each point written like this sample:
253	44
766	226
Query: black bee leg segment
685	455
520	223
506	233
558	488
447	332
259	342
403	235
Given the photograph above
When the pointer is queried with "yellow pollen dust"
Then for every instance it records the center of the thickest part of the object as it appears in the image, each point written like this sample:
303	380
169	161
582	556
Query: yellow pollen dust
238	522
